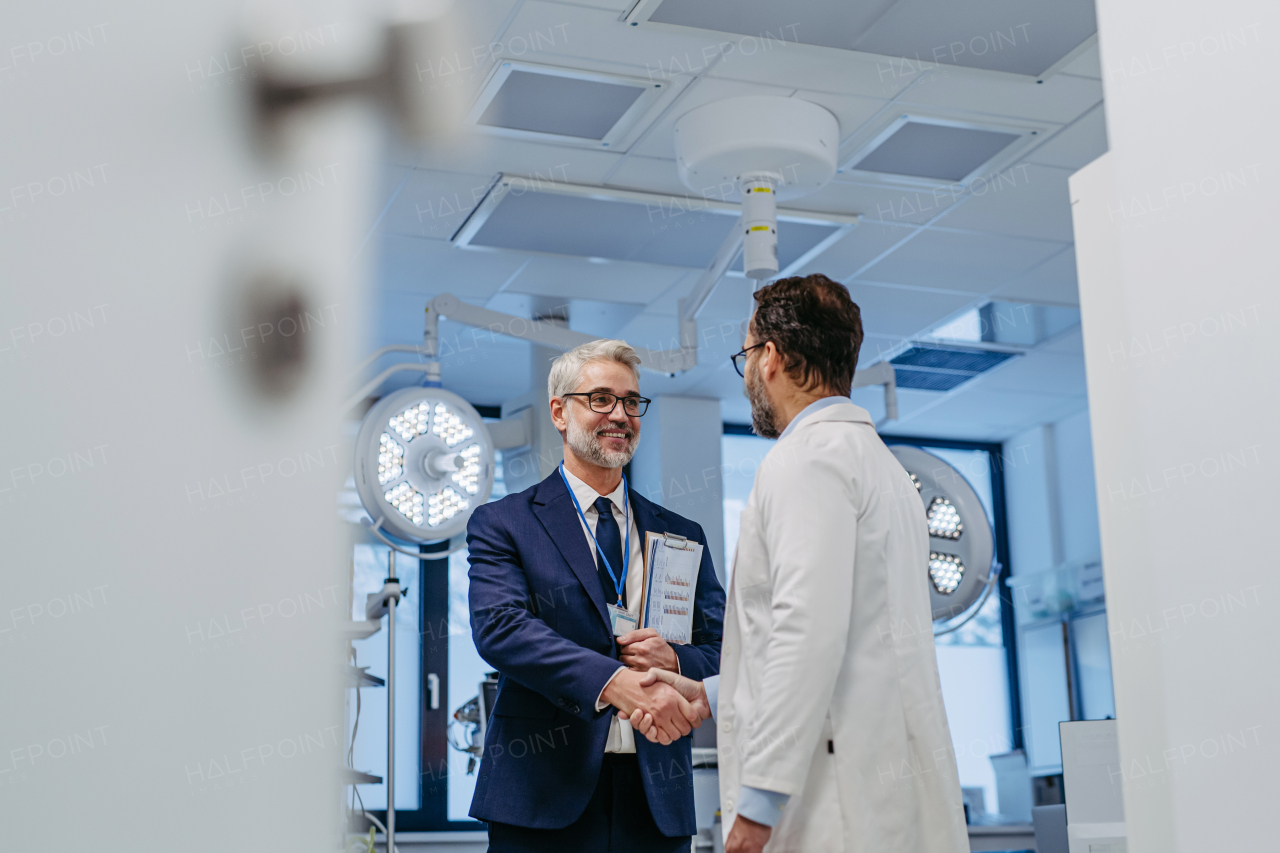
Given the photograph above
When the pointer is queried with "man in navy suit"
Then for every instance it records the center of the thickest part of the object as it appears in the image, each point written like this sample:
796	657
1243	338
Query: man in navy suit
555	574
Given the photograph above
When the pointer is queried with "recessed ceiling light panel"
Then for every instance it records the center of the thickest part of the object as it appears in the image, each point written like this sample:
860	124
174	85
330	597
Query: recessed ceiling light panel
563	105
928	150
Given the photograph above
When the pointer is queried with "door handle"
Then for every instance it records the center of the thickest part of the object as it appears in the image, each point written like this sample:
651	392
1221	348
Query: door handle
433	685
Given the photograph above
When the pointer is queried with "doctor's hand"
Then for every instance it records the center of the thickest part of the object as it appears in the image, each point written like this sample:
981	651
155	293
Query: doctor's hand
673	716
644	650
747	836
693	692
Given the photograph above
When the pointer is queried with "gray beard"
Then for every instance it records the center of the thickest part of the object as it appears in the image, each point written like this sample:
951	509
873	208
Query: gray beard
764	419
587	445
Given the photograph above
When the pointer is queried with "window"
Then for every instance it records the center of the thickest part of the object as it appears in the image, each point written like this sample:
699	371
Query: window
975	662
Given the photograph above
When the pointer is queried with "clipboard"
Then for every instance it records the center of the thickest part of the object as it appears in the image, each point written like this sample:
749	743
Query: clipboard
670	584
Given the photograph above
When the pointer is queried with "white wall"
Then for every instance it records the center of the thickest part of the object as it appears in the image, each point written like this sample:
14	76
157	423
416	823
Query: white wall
1175	242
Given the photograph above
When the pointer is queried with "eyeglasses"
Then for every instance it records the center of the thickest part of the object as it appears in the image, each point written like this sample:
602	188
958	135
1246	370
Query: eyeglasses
739	359
605	403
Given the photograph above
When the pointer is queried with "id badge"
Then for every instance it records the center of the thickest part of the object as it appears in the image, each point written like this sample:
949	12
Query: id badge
622	621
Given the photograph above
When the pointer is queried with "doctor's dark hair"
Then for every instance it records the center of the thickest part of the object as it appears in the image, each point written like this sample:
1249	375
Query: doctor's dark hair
816	328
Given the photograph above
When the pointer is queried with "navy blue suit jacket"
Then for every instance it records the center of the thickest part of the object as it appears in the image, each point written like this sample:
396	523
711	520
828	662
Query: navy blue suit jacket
538	616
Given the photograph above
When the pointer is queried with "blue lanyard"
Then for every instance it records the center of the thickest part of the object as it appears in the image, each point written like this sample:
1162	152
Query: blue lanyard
618	585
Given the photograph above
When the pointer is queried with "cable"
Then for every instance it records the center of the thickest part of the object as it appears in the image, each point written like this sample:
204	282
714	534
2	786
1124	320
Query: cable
378	823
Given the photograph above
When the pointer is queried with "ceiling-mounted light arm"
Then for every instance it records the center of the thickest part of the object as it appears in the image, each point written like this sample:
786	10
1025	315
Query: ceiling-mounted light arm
550	335
880	373
368	388
691	306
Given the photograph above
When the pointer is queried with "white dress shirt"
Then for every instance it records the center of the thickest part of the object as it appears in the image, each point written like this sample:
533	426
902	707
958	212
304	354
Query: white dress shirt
621	736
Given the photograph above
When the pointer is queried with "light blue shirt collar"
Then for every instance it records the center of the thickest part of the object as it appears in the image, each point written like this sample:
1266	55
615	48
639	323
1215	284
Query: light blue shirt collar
815	406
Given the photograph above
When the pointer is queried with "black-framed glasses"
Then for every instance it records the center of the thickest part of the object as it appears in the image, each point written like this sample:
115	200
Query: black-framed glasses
739	358
604	403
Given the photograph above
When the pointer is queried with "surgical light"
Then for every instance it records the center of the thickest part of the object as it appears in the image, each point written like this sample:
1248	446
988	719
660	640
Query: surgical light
946	571
423	463
961	572
944	519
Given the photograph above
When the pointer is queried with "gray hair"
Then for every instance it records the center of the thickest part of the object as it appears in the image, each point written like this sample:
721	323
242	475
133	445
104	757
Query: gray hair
566	370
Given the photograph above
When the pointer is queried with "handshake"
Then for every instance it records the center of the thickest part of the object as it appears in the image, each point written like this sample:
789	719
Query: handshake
661	705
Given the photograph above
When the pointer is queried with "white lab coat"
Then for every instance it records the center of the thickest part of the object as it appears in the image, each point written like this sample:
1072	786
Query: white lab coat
828	640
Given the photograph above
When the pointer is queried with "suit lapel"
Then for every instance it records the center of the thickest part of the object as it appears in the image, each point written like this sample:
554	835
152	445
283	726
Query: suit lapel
649	519
554	508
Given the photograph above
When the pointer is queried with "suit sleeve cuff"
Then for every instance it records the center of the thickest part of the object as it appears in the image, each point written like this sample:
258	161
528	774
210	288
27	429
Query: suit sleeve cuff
711	684
760	805
601	705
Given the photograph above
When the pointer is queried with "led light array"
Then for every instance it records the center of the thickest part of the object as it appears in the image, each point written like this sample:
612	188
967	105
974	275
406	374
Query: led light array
945	570
469	477
915	481
412	422
407	500
390	459
944	519
444	505
449	426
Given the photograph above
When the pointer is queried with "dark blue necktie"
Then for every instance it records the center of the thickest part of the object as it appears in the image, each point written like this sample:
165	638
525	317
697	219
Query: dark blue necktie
610	545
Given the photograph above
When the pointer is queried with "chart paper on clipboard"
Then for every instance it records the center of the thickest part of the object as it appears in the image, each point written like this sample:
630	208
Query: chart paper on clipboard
671	566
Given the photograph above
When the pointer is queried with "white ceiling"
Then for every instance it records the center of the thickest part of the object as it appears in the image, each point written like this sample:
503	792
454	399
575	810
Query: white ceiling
921	255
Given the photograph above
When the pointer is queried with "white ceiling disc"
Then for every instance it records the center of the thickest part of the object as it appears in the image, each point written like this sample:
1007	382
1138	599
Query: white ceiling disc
796	141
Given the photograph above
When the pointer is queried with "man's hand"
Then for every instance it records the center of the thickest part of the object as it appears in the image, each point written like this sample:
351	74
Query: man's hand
673	717
747	836
692	691
644	650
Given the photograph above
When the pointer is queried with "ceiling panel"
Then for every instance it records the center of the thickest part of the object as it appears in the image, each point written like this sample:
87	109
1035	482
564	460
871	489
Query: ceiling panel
856	249
1015	36
852	111
432	267
659	141
1039	372
578	278
565	106
624	230
821	69
650	174
942	152
597	34
1075	146
1059	99
999	414
901	313
1024	201
890	204
1087	64
1001	35
1053	282
974	263
484	154
814	22
433	203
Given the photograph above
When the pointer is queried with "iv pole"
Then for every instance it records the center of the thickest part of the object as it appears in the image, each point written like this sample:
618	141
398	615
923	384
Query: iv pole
377	604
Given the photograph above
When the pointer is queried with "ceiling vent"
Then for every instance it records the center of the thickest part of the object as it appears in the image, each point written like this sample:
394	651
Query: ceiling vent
563	105
1032	39
529	215
929	368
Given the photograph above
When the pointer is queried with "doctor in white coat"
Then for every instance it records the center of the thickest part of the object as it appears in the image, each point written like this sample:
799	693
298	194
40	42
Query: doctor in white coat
831	729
